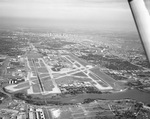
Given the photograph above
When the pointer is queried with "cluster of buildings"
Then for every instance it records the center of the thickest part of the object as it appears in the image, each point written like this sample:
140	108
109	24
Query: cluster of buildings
57	62
16	110
16	69
66	88
77	84
21	110
36	113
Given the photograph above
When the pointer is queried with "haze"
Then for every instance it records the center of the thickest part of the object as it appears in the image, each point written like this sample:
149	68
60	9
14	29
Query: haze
95	14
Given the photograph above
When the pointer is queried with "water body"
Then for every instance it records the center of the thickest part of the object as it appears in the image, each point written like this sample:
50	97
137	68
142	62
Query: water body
130	94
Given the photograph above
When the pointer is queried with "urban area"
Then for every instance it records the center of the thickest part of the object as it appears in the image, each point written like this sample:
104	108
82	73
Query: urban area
58	75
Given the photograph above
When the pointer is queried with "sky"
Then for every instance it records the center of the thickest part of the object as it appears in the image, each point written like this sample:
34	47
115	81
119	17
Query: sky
96	14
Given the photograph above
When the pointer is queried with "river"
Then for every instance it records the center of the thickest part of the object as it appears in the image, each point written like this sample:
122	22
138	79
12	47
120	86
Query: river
131	94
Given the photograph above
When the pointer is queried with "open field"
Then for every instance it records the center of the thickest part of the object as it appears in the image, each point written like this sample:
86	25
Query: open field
35	81
21	85
55	75
32	69
69	62
70	59
37	64
36	88
42	64
34	74
33	78
44	75
48	85
82	79
80	74
72	72
33	55
77	64
42	70
65	80
30	63
46	79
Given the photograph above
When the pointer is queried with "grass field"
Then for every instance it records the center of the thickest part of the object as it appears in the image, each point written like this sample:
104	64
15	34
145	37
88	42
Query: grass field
64	58
34	74
76	110
73	71
37	64
93	83
36	88
78	115
22	85
70	59
77	64
42	70
36	81
42	64
46	79
33	78
33	55
1	71
48	85
32	69
82	79
65	80
31	63
44	75
58	75
80	74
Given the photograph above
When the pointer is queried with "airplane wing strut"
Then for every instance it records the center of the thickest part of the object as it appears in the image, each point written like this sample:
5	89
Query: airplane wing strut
142	20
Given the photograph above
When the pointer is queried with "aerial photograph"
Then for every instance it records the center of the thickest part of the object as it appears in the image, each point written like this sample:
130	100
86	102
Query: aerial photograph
74	59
